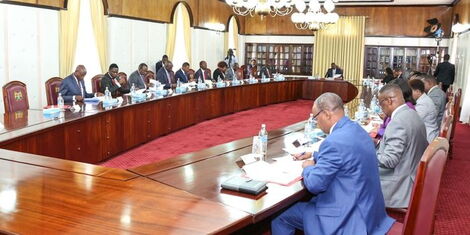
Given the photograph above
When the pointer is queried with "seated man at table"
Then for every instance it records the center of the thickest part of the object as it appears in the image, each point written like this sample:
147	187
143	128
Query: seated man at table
137	78
166	75
182	74
436	94
219	72
334	72
425	109
112	82
73	88
344	177
202	73
401	147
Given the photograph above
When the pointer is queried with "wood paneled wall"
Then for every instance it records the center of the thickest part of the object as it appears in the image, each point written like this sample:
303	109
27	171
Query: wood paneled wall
45	3
381	21
463	9
202	11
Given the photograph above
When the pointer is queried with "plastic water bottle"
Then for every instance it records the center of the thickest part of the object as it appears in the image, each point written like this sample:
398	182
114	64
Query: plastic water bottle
133	89
263	76
263	137
60	101
107	94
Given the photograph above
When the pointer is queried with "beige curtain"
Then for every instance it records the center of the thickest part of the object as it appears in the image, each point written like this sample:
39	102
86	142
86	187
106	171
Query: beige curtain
235	35
187	30
171	34
343	44
68	36
100	28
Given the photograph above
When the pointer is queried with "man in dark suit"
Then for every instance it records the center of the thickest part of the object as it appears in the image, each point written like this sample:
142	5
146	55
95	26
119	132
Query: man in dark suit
202	72
161	63
344	177
112	82
166	75
334	72
445	73
267	69
182	74
73	88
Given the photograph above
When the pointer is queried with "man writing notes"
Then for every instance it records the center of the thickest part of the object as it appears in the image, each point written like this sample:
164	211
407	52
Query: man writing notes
334	72
166	76
182	74
344	177
401	147
73	88
203	73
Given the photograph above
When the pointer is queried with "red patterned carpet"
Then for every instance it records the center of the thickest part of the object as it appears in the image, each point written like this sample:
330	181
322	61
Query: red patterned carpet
214	132
453	205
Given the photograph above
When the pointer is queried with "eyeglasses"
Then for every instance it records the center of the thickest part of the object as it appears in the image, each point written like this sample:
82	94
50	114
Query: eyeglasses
316	115
381	101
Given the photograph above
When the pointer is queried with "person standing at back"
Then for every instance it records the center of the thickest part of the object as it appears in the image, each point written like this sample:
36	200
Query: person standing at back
344	177
401	147
445	73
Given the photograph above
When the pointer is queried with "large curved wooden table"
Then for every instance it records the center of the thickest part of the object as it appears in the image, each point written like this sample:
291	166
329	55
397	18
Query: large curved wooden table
180	195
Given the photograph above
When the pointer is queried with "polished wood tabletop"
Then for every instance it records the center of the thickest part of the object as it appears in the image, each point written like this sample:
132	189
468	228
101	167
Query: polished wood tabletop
42	200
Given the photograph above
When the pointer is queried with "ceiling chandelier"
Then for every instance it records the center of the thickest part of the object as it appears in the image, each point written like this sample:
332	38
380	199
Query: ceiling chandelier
261	7
312	16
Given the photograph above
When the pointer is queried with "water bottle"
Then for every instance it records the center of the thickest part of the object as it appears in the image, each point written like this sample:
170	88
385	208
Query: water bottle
218	79
346	111
107	94
263	137
60	101
263	76
133	89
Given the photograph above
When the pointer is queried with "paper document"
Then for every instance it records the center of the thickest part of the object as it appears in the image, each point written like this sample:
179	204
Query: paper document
279	172
93	100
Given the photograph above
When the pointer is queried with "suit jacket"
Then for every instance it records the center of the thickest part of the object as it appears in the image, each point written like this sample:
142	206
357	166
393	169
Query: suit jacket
400	150
346	182
329	73
217	74
69	88
158	65
163	78
388	78
198	75
107	81
439	98
428	113
181	76
251	70
445	73
137	80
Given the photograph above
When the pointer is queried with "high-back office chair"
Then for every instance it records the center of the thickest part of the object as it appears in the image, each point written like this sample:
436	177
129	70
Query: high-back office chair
419	218
96	83
52	90
15	96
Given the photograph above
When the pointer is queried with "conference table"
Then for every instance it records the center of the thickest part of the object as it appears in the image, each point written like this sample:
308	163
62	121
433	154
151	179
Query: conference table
47	184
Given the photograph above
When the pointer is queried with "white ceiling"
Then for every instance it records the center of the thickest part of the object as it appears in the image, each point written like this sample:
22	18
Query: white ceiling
393	2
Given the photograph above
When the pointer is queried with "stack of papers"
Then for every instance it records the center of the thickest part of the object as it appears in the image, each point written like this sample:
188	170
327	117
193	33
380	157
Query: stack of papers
283	171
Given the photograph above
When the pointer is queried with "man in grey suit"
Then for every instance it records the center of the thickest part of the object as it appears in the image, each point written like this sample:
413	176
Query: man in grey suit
401	147
436	94
137	77
425	109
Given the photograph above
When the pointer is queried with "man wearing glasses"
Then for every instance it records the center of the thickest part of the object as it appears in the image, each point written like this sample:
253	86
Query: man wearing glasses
401	147
344	177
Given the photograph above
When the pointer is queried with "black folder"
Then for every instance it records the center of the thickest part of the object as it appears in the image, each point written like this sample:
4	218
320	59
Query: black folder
244	185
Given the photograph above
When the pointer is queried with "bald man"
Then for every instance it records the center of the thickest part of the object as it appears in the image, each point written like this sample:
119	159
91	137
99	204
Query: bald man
401	147
344	177
73	88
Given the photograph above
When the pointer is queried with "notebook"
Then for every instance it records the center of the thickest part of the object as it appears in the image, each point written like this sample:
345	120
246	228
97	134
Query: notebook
244	185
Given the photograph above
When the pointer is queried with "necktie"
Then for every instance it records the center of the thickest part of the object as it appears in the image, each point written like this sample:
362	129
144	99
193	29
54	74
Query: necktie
203	74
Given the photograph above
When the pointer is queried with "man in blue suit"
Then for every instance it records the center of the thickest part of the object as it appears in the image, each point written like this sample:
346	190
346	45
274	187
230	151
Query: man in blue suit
73	88
181	74
344	177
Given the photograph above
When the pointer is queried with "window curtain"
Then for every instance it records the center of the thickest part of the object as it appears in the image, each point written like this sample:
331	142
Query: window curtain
186	24
462	74
234	35
100	29
69	19
343	44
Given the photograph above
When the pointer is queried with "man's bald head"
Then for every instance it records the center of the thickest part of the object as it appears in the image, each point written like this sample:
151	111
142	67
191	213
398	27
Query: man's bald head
327	110
80	72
